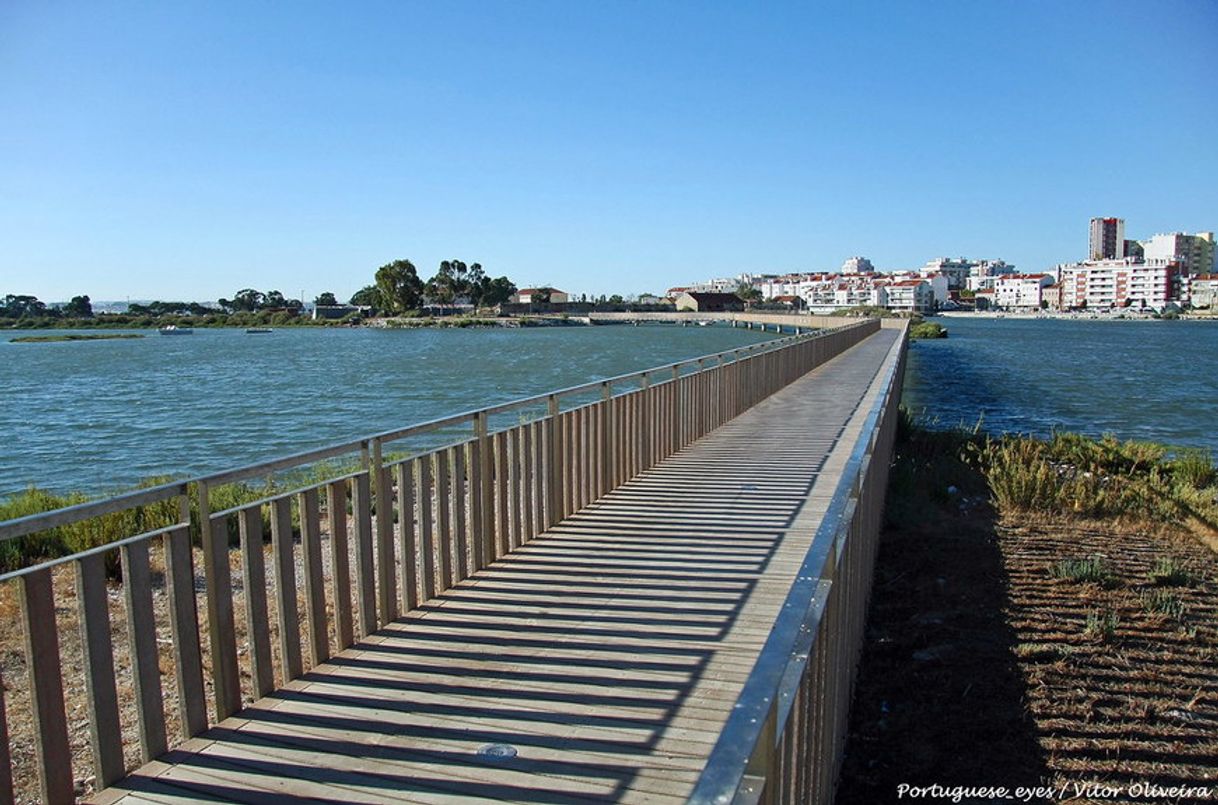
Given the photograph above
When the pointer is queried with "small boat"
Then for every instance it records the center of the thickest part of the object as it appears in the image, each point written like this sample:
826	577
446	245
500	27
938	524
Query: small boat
258	330
173	329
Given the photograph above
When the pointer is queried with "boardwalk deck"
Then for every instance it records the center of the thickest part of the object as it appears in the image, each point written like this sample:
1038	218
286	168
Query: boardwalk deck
595	663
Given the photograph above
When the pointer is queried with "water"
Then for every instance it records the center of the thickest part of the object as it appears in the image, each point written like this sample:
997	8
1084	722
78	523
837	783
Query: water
101	416
1151	380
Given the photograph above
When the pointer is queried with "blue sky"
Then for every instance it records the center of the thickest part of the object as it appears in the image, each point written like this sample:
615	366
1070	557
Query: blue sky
175	150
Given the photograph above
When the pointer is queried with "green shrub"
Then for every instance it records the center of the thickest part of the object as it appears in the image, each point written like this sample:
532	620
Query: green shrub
1092	570
1171	572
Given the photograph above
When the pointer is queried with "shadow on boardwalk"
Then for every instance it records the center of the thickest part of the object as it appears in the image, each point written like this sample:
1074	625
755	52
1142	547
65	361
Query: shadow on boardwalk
575	653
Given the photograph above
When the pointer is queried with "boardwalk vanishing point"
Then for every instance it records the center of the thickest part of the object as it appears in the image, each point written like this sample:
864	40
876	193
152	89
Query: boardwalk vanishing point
654	596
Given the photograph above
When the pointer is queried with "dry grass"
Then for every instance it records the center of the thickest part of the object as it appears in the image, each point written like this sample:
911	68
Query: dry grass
1014	641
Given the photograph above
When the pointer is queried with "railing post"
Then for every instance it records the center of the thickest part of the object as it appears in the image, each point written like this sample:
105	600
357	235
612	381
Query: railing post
606	447
483	497
554	468
220	628
386	576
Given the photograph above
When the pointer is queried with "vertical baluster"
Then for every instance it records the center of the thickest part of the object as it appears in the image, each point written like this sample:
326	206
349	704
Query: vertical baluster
46	687
290	660
541	473
427	551
184	627
257	622
526	482
361	505
460	492
516	484
141	632
226	683
477	497
502	506
105	734
6	759
408	546
314	581
340	563
386	577
443	524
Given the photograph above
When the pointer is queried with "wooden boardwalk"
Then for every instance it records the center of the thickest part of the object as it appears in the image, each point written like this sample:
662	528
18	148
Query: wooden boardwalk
597	662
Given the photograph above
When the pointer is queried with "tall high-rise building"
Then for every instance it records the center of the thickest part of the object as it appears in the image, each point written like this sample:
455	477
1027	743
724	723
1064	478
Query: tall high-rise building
1107	238
1194	253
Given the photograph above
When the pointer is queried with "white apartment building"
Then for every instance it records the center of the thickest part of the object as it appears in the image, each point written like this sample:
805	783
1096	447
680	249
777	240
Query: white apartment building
1194	253
912	295
1127	282
1020	291
857	265
1203	290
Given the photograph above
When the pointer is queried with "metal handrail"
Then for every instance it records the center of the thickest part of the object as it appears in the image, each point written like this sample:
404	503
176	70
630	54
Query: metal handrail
791	641
34	523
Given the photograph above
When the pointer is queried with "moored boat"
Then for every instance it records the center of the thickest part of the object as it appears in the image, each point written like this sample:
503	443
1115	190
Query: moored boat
173	329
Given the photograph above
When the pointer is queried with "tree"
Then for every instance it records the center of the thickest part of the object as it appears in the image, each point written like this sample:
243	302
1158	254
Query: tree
399	285
247	299
748	293
496	291
541	296
79	308
325	299
19	306
368	296
617	299
442	288
274	299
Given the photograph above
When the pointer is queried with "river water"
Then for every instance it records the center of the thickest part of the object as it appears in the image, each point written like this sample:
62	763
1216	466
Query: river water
1151	380
101	416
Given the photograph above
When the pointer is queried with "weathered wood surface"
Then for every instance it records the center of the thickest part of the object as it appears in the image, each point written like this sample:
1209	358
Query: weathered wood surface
606	653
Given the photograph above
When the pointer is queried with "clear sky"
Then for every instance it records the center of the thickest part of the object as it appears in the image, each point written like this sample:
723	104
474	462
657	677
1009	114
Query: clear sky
176	150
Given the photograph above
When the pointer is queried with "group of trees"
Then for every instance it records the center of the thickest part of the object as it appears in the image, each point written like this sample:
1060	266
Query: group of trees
22	306
398	288
252	301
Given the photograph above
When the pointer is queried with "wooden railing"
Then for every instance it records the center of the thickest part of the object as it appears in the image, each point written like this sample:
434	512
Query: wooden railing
368	545
784	739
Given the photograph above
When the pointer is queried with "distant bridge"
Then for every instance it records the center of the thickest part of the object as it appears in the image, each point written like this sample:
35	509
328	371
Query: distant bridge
648	588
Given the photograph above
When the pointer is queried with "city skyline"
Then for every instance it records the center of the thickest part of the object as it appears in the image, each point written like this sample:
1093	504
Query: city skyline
183	153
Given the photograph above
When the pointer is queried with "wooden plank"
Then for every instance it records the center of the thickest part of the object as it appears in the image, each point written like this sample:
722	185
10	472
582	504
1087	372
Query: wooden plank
141	634
515	485
340	563
46	688
291	664
502	534
527	478
541	490
105	732
222	634
6	759
184	629
481	503
257	621
444	537
408	545
314	580
423	494
460	502
386	564
365	589
486	477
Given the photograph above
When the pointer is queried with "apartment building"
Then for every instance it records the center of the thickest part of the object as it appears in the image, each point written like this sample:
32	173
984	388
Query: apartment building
1194	253
1127	282
1107	240
1021	291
